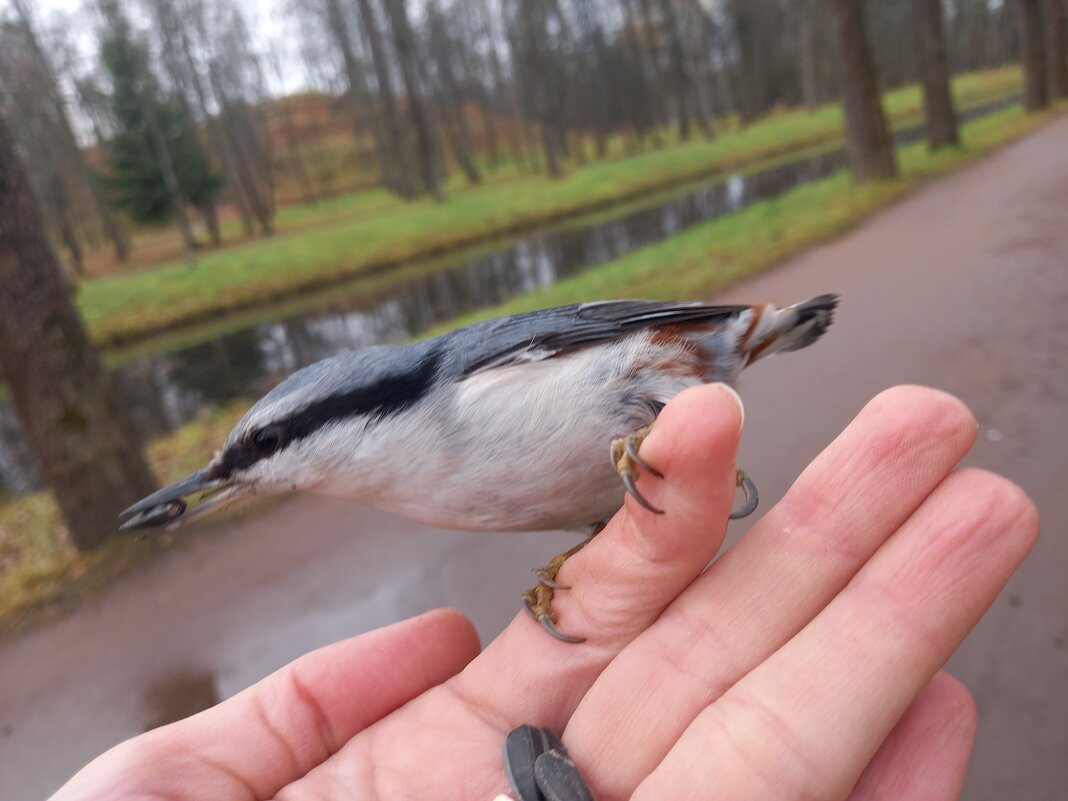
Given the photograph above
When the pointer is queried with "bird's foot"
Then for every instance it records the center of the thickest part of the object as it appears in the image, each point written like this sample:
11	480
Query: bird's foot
749	493
627	462
539	599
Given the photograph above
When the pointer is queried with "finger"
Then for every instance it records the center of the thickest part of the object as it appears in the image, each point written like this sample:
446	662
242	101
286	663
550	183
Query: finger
620	583
926	755
770	584
277	730
629	572
807	720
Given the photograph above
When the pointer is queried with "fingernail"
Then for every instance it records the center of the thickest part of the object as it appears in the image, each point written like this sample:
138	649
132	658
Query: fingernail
728	390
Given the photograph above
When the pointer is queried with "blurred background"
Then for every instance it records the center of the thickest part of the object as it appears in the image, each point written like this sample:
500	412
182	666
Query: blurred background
199	196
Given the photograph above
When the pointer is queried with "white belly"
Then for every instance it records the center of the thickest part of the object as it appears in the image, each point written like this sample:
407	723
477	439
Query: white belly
526	447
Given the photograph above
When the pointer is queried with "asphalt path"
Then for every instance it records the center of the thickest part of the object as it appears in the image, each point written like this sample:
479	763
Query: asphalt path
962	286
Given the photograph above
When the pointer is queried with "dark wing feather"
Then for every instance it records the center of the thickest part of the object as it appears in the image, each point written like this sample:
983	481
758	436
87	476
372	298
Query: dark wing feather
544	333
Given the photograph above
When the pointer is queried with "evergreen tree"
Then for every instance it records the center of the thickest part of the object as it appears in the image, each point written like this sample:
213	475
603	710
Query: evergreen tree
157	164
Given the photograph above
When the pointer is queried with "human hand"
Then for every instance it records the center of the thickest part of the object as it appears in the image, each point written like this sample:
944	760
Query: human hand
802	664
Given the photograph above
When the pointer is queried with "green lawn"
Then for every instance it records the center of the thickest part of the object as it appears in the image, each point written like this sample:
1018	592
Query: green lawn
712	255
353	234
40	572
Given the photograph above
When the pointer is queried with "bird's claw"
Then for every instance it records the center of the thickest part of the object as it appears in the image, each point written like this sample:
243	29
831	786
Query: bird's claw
539	768
539	605
539	600
749	493
630	447
548	579
626	461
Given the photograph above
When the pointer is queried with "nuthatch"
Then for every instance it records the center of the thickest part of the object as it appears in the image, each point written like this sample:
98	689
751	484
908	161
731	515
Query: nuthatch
504	425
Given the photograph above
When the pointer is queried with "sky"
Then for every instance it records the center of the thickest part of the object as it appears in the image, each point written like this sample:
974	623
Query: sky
268	20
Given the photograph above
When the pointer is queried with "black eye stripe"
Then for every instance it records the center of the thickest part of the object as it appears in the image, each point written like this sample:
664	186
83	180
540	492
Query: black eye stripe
267	440
387	396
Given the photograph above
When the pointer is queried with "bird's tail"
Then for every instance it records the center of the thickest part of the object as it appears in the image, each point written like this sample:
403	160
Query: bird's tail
776	330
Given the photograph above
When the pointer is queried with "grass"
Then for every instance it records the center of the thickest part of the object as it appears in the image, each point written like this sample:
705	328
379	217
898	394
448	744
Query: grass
710	256
363	232
40	573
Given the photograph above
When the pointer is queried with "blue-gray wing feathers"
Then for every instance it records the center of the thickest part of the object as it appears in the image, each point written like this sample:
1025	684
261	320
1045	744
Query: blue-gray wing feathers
543	333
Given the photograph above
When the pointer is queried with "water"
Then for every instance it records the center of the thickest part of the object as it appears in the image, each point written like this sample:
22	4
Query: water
165	390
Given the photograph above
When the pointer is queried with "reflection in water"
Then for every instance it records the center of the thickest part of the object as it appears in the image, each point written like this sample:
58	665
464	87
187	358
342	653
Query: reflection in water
164	391
179	694
17	473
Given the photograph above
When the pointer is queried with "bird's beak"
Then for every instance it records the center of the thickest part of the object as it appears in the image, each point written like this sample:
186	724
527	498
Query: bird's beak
166	508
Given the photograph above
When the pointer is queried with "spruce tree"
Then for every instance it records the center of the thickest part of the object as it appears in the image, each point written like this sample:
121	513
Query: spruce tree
157	165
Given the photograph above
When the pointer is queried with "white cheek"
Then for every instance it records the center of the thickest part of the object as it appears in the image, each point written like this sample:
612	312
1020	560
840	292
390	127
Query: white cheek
303	464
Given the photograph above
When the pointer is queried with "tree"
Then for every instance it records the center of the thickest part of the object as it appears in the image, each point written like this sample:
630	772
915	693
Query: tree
394	126
1056	48
216	76
1032	54
868	142
450	92
765	65
157	164
530	49
67	406
941	118
405	46
39	119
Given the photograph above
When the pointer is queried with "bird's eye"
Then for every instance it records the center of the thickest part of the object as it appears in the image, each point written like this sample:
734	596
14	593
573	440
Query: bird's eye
266	440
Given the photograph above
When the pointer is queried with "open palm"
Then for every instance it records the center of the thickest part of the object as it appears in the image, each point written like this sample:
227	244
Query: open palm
804	663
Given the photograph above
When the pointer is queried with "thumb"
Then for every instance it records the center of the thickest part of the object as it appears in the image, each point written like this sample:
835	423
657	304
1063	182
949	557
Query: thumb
621	582
632	570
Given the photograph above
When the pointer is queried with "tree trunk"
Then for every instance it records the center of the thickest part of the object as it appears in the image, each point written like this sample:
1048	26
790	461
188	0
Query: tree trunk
808	66
503	100
637	97
210	213
1032	54
66	227
113	228
296	160
239	139
65	400
216	135
941	118
451	95
1056	49
404	43
652	56
170	181
398	152
532	21
360	108
680	74
868	142
109	220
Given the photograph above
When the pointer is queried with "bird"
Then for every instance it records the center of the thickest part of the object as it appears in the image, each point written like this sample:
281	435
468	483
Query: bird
526	422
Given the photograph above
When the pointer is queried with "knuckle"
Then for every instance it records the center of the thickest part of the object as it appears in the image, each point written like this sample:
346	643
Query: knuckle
702	659
770	749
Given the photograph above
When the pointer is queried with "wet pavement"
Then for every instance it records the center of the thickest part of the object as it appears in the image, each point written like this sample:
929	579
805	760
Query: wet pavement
963	286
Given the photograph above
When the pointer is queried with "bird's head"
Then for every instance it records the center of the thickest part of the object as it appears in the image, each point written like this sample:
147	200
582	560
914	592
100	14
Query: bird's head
301	434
